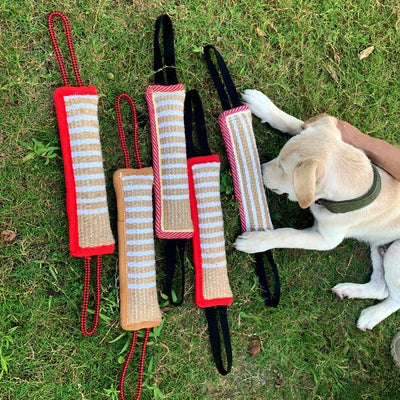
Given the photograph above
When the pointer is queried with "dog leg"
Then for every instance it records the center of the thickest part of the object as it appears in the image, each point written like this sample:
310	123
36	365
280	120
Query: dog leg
375	289
262	107
287	238
371	316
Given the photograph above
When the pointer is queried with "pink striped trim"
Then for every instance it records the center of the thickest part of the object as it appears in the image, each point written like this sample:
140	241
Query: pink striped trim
160	232
226	134
165	88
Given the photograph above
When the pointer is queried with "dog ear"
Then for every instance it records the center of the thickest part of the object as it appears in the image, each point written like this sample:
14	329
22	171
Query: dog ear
326	121
312	120
306	175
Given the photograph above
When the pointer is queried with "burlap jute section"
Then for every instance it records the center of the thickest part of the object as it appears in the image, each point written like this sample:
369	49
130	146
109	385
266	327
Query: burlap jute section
247	171
94	228
169	162
211	231
137	271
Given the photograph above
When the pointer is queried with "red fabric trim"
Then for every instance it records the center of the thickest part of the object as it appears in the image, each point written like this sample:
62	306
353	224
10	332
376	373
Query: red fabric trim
160	233
76	90
197	258
92	251
75	249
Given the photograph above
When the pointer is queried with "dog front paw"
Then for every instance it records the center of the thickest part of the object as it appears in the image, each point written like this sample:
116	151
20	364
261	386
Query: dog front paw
369	318
252	242
360	291
259	104
343	291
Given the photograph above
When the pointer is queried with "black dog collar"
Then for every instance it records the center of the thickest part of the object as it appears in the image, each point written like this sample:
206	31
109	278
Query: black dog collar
339	207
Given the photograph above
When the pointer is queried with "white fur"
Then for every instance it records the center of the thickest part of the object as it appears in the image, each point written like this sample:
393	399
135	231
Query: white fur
338	172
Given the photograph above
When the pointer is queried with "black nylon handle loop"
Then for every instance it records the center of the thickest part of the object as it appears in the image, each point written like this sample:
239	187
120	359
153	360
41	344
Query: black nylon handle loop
215	340
170	252
228	94
166	63
194	106
271	300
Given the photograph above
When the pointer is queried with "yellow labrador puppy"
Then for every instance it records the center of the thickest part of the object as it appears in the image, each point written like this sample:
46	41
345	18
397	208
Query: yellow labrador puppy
348	196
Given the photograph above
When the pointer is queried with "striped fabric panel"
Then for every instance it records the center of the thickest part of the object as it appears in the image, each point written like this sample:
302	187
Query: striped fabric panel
170	163
246	170
139	304
87	163
215	283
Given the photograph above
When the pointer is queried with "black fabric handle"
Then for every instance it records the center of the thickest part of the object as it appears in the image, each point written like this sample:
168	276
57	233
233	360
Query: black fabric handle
170	251
228	95
271	300
193	106
215	339
166	63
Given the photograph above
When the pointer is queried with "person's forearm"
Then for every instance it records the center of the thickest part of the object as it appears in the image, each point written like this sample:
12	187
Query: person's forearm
381	153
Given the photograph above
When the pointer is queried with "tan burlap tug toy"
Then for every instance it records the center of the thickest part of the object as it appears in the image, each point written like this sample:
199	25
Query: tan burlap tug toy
88	218
137	272
237	131
165	100
212	289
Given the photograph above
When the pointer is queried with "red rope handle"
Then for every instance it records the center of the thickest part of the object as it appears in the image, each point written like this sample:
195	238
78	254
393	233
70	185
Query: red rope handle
85	303
141	365
121	132
68	35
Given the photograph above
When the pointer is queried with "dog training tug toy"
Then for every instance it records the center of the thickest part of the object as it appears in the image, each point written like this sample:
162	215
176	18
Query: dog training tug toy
165	101
237	131
89	225
137	273
212	289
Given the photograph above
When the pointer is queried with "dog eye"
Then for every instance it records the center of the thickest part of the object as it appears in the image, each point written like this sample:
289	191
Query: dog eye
281	167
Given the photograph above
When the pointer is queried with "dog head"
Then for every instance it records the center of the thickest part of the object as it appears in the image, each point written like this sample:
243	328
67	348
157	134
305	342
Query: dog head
314	164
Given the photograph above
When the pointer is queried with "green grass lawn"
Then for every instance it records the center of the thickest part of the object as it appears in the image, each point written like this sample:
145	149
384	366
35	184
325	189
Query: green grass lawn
304	55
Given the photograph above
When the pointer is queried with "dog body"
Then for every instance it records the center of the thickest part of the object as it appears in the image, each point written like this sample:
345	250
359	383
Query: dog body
316	164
